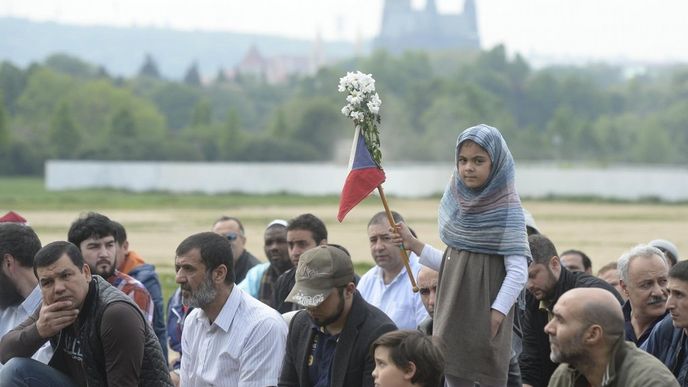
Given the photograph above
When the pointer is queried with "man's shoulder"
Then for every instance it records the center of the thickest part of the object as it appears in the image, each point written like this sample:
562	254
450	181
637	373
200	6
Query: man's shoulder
642	369
251	259
369	316
563	376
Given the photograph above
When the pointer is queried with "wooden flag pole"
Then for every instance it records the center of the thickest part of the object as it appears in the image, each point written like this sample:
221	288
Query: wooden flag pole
404	254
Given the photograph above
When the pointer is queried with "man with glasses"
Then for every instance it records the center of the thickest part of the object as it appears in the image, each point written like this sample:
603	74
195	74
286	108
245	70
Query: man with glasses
232	228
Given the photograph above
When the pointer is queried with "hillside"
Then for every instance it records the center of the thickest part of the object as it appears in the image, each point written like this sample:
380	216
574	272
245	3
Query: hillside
121	50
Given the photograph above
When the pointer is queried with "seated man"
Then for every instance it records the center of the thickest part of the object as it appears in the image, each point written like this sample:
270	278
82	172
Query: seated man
386	285
644	273
303	233
94	234
230	338
260	280
329	342
427	285
20	294
130	262
668	341
232	228
576	260
587	338
669	249
610	273
100	337
547	281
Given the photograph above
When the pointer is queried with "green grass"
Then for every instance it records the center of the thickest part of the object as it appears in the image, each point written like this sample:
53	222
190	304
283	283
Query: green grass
29	193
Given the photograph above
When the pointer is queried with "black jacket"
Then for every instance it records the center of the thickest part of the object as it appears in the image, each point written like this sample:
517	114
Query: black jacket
536	366
352	364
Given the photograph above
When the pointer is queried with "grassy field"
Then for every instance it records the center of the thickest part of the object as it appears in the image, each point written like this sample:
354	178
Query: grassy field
157	222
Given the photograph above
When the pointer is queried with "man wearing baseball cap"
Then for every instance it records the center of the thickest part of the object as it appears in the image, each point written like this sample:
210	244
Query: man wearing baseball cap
329	342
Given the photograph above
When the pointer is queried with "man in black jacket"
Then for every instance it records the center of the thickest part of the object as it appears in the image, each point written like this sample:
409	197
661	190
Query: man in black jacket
99	336
547	281
329	342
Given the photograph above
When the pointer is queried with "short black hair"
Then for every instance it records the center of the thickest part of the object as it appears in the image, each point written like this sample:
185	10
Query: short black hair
587	263
541	248
90	225
19	241
381	218
54	251
411	346
679	271
120	232
309	222
215	250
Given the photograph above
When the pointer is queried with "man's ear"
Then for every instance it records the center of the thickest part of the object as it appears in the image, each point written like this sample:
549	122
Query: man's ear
593	334
624	287
555	264
125	247
87	271
220	273
8	262
350	289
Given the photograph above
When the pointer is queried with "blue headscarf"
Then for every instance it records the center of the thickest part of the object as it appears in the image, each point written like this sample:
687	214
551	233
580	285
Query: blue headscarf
488	219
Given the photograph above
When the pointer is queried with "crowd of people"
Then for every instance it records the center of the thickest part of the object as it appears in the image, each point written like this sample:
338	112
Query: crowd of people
499	306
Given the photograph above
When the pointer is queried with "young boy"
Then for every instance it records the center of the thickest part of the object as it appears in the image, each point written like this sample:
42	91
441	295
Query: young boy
407	358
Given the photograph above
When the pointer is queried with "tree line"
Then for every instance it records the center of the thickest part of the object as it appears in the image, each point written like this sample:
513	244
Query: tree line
65	108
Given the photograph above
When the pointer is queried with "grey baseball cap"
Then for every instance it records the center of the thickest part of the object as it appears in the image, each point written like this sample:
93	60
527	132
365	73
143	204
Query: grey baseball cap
320	270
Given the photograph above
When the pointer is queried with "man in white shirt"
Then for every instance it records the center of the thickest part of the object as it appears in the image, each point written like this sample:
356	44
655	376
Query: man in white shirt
387	285
19	291
230	338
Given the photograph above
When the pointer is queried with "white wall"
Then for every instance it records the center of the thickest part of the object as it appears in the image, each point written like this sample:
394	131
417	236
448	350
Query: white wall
404	180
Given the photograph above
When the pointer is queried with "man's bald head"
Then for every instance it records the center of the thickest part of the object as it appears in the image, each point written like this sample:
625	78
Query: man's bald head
595	306
427	283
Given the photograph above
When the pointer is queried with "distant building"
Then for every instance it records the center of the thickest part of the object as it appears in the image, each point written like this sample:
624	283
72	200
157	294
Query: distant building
278	69
404	28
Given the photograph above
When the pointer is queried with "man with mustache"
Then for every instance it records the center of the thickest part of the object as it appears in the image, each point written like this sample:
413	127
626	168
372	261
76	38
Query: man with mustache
669	338
587	337
99	336
230	338
644	276
548	279
260	279
95	235
329	342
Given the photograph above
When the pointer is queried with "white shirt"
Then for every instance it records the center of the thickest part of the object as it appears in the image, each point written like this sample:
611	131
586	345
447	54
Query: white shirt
244	346
15	315
397	298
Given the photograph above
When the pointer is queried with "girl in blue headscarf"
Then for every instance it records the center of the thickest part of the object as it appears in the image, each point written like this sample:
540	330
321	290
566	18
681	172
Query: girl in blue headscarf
485	265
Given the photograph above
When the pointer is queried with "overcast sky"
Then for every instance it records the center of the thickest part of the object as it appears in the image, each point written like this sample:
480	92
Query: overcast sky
638	30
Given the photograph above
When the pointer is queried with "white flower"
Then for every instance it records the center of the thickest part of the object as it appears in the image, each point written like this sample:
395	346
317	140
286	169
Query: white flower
363	106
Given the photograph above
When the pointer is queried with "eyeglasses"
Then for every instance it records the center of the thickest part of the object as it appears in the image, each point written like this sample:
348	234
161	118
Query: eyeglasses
232	236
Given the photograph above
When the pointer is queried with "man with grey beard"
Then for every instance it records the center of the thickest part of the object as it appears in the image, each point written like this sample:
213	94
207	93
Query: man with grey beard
644	276
586	336
230	338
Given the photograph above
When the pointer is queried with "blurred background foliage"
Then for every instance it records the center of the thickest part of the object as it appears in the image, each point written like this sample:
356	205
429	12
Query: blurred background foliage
65	108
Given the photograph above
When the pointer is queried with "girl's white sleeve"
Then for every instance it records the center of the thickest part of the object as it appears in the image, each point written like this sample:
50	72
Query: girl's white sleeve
516	277
431	257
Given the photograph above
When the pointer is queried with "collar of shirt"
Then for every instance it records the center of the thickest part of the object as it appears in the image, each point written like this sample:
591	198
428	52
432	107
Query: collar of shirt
32	301
229	310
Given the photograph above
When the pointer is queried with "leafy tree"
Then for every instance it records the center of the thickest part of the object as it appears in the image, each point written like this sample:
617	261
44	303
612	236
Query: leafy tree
149	68
71	66
192	77
12	85
202	113
64	135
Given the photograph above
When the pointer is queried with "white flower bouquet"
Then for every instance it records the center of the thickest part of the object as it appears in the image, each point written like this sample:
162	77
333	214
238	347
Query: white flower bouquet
363	107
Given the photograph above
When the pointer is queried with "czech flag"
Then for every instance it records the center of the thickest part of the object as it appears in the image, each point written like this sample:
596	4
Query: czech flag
364	176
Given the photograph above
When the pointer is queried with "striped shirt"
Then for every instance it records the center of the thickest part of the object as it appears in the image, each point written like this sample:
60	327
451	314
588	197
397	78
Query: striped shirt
244	346
136	291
